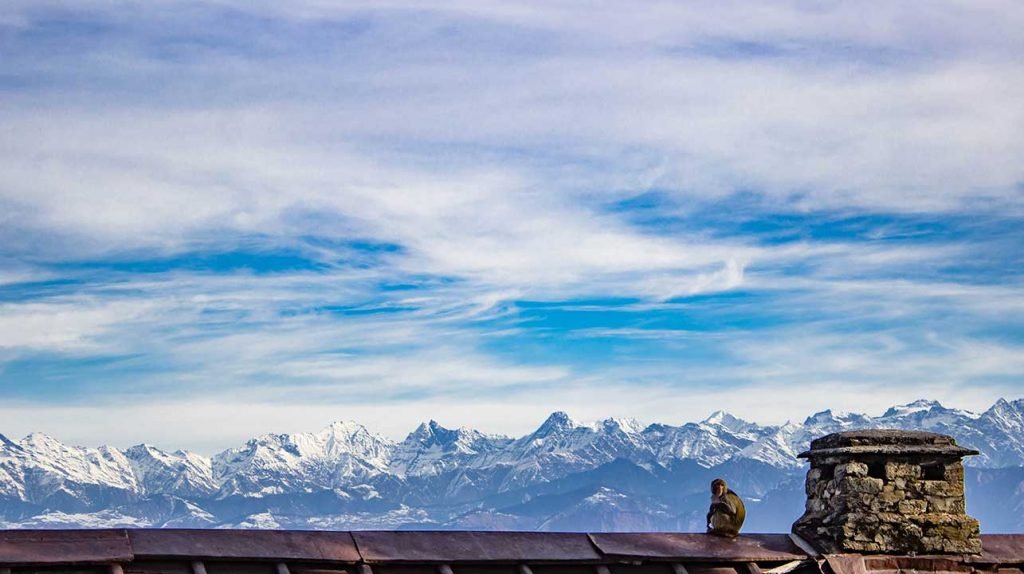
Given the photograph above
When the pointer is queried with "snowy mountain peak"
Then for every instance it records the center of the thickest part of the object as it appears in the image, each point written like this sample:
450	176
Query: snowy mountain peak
346	429
432	449
1000	405
432	433
1005	414
1003	407
727	421
41	441
344	438
180	473
913	407
717	417
148	451
556	421
828	417
423	432
823	417
628	425
430	429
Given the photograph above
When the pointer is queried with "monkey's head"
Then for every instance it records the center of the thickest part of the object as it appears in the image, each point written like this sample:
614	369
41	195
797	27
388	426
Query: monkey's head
718	487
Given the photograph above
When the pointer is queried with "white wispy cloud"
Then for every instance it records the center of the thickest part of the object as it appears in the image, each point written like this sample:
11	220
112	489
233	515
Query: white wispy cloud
492	151
70	326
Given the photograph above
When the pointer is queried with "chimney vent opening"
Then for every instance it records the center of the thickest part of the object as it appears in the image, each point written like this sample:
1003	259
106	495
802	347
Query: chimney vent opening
828	472
933	471
876	469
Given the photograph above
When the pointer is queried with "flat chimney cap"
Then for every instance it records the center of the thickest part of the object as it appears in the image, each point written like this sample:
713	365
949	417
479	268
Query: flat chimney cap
885	442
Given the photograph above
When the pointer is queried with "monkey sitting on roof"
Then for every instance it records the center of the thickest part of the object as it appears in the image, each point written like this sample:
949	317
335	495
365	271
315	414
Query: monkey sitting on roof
726	515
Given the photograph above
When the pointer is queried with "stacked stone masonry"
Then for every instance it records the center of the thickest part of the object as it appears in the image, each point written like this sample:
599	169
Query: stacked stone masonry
902	501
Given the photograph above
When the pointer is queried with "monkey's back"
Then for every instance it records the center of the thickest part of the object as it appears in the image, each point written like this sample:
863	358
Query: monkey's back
741	510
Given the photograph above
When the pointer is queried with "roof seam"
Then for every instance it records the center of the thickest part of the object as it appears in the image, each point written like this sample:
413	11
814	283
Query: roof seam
359	551
593	543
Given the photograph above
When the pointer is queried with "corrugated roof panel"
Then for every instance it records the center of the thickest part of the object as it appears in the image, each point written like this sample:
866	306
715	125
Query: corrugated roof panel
64	546
444	547
698	547
246	544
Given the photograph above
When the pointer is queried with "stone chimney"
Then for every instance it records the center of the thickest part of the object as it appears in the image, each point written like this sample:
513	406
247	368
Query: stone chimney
887	492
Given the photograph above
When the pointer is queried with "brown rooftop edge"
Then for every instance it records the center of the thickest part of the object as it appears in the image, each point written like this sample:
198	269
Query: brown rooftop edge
155	551
1002	549
245	544
698	547
64	547
468	546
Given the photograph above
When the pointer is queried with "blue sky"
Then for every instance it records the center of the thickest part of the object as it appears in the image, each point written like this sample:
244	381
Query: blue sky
228	218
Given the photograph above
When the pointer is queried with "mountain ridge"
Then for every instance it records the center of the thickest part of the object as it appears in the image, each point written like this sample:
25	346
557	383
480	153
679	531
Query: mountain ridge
441	476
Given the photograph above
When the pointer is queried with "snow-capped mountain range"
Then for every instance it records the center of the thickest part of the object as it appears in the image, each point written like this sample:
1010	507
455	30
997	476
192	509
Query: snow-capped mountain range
611	474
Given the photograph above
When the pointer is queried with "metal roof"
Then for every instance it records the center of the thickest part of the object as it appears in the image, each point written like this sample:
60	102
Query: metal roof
692	546
64	546
245	544
444	547
170	551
